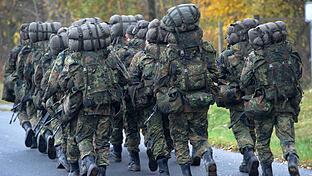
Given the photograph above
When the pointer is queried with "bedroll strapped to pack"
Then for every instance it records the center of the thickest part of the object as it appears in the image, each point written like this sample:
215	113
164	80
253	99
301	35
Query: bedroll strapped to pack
87	20
156	34
140	29
89	37
238	31
39	31
58	42
267	34
184	17
24	31
120	23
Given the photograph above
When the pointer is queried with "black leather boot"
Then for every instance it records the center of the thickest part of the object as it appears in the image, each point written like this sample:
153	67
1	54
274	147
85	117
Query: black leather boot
243	167
252	162
134	164
266	169
73	169
102	171
186	169
62	162
293	164
152	163
29	134
42	141
210	165
195	159
163	166
116	154
88	166
51	150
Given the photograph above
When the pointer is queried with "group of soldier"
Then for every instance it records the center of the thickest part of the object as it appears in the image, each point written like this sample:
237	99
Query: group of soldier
75	97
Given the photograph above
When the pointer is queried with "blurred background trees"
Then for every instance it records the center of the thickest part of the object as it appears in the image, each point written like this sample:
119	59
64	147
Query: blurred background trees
216	16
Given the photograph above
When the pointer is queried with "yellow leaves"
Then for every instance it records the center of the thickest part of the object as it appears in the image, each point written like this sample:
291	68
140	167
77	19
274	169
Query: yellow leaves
16	38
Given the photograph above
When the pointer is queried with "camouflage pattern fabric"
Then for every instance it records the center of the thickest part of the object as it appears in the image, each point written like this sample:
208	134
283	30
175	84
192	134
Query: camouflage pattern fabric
230	65
191	127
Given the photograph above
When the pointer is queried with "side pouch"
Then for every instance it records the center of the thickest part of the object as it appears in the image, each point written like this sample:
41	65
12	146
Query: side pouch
71	105
199	99
37	99
257	107
169	101
141	96
8	89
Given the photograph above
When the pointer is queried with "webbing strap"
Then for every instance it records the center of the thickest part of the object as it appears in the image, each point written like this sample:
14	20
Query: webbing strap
91	36
97	34
80	38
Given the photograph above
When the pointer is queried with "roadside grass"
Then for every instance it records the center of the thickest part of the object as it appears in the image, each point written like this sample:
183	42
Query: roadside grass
2	101
222	137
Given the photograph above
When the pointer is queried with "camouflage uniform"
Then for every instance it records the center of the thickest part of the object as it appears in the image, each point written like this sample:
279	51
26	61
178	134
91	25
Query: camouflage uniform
142	72
9	77
285	111
186	123
230	65
93	122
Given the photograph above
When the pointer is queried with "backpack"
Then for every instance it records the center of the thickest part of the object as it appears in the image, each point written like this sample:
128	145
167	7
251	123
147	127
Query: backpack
181	18
276	72
93	75
120	23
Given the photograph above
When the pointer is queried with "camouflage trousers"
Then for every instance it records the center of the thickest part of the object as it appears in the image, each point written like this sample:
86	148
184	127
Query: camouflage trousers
117	128
159	140
31	112
245	134
23	117
132	130
185	127
72	149
285	131
92	135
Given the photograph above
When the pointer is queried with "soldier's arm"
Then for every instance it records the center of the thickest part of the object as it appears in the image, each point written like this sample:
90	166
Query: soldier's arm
163	73
247	73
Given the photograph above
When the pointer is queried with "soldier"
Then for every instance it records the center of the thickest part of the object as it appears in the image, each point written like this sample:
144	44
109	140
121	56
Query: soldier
230	66
274	69
183	86
10	65
141	92
93	84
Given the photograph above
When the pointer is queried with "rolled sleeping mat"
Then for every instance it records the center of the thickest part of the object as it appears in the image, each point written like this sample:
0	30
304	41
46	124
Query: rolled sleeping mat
89	37
39	31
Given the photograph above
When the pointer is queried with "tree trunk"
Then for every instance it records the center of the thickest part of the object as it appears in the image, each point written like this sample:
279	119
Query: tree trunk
151	9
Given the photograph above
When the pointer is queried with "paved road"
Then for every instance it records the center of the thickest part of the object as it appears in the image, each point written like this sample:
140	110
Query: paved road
16	160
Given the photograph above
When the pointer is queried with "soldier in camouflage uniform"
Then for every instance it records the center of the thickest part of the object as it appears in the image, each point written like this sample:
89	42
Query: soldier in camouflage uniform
142	72
230	65
274	69
187	97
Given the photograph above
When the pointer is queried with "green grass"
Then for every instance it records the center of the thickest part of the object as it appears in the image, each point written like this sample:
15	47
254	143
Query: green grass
2	101
222	137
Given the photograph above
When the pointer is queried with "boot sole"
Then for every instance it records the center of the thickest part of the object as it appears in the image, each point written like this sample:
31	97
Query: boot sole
212	170
196	161
253	171
51	148
29	138
293	171
42	144
152	164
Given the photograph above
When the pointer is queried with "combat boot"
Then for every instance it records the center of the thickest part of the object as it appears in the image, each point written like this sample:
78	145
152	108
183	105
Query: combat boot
62	162
152	163
266	169
134	164
210	165
102	171
243	167
293	164
73	169
42	141
50	146
116	154
186	169
252	162
88	166
163	167
195	159
29	134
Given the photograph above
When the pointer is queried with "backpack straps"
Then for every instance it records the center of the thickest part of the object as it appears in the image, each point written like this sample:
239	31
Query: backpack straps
80	38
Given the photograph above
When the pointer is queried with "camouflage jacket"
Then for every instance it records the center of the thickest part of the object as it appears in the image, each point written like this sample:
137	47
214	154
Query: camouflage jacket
10	64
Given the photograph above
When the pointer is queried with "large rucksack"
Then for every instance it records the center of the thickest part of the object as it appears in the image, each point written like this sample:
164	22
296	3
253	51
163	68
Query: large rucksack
58	42
181	18
89	37
93	75
86	20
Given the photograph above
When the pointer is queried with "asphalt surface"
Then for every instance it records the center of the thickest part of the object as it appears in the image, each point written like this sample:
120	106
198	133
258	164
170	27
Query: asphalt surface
17	160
